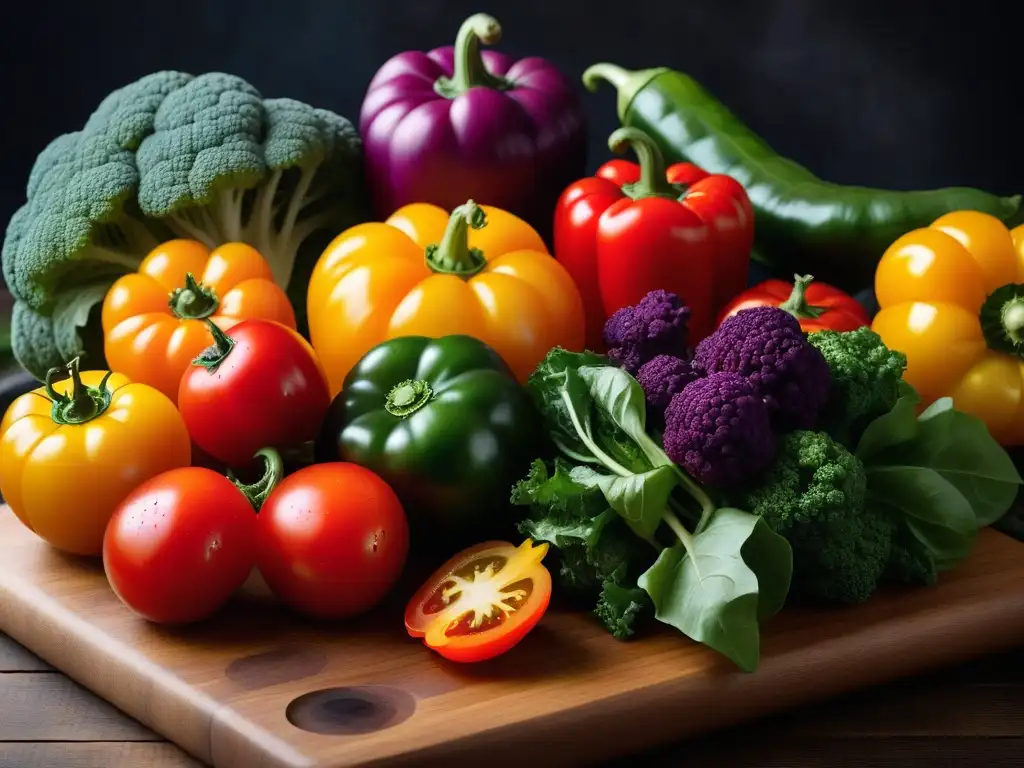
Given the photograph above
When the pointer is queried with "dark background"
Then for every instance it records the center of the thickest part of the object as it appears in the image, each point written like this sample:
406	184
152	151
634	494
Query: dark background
898	94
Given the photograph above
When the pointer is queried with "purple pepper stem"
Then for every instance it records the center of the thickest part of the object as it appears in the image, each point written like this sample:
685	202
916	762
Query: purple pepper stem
453	256
470	71
653	182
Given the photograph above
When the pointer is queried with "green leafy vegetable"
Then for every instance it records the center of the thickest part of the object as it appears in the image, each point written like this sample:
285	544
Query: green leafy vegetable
712	583
955	445
705	585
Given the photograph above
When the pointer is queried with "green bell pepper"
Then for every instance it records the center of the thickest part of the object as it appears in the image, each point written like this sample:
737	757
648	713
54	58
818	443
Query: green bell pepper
444	422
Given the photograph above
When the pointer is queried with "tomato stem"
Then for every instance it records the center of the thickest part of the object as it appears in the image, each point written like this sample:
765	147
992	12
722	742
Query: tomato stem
797	304
653	182
273	471
407	397
84	403
193	302
453	256
215	354
470	70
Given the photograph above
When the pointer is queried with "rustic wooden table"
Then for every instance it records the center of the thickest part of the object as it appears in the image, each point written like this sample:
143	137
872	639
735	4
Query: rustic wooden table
971	715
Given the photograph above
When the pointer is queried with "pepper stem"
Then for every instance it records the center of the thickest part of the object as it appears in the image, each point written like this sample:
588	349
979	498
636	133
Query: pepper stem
470	70
652	164
215	354
273	470
453	256
627	83
1002	319
407	397
84	403
193	302
797	304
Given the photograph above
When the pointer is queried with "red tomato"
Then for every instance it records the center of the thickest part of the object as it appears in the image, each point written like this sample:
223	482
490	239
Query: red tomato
179	545
818	306
260	385
482	602
333	539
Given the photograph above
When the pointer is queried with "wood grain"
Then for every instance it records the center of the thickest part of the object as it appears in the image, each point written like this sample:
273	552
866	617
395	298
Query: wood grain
95	755
222	690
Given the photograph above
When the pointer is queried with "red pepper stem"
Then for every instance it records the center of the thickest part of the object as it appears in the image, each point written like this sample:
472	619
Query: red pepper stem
652	164
797	304
273	470
84	403
215	354
453	256
470	70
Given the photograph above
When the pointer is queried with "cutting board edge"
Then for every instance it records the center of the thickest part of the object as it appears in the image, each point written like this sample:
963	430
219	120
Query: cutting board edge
675	698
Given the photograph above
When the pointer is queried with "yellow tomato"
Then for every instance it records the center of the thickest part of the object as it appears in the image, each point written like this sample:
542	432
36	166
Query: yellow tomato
480	271
950	299
154	320
71	451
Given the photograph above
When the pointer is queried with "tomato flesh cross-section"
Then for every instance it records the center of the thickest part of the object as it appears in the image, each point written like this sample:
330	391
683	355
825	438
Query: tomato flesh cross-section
482	602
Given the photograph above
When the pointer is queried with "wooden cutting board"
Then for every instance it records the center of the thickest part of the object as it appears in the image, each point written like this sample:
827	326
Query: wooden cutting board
259	688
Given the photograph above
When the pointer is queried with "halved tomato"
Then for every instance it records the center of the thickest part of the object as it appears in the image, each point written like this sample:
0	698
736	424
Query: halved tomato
482	602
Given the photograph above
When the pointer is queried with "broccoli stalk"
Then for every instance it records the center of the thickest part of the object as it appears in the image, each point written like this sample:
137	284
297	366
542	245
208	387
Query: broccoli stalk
173	155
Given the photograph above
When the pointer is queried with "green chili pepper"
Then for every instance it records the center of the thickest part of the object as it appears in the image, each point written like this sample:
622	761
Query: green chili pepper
801	223
444	422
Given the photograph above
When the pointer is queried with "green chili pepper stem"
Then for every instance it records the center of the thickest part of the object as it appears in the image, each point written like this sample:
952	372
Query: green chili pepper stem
407	397
215	354
797	304
453	256
652	164
84	404
1002	319
470	70
626	82
273	470
193	302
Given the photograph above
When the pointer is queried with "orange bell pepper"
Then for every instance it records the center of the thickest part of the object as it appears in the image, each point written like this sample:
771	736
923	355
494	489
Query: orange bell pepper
481	271
952	300
154	319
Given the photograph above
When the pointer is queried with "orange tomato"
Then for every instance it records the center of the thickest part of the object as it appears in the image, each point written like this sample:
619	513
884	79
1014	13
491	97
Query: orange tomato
950	299
480	271
154	320
72	450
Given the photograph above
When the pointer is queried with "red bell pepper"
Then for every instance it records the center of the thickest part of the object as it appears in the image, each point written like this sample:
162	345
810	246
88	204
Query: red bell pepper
633	228
818	306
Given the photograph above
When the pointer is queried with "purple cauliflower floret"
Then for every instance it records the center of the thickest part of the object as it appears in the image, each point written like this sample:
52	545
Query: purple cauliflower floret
654	326
767	347
661	377
719	431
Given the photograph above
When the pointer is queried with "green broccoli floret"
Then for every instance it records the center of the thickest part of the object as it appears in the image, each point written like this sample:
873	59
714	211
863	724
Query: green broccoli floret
866	376
173	155
814	496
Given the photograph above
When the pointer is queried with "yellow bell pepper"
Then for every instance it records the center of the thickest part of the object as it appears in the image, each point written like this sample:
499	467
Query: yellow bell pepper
479	271
951	298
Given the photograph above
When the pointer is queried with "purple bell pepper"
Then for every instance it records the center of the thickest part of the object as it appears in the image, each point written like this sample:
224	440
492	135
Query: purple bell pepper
459	123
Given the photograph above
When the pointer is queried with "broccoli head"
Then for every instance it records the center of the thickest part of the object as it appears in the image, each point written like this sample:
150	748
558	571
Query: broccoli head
172	155
865	379
656	325
814	496
767	346
719	431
